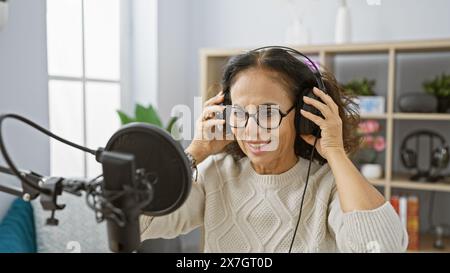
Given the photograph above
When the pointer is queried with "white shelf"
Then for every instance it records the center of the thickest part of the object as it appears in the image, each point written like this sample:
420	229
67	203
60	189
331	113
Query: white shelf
373	116
421	116
403	182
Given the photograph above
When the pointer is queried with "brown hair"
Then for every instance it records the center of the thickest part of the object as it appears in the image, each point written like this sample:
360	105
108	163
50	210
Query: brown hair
299	78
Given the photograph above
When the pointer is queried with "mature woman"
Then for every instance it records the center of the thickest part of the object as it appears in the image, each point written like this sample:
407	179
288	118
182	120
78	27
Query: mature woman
249	190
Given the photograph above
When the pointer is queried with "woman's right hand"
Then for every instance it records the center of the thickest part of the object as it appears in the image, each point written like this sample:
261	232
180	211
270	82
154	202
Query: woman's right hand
205	141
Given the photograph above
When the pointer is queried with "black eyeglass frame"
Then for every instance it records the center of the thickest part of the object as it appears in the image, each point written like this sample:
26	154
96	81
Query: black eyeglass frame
255	116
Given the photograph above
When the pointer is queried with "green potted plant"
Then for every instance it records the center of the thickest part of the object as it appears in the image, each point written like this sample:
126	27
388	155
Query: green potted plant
367	100
147	115
360	87
440	88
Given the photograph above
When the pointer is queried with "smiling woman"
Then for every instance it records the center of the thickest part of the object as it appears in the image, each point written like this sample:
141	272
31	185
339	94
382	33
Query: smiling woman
251	189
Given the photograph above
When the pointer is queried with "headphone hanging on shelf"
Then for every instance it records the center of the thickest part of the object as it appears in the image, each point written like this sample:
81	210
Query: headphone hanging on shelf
439	156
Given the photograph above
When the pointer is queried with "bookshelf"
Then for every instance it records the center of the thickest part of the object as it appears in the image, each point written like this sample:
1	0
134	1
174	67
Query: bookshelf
212	61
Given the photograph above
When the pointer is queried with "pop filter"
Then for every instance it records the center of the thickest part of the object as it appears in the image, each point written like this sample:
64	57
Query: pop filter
162	158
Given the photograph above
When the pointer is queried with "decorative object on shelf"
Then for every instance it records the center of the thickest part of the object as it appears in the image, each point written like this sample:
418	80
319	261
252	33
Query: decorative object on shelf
439	237
440	88
148	115
3	13
297	33
372	171
437	231
343	28
439	156
417	103
368	103
373	144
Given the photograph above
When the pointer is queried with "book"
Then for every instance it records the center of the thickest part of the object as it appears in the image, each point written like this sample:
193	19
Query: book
403	210
413	223
395	203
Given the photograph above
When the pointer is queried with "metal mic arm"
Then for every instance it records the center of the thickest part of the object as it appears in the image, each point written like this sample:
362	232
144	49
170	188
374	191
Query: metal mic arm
52	186
26	192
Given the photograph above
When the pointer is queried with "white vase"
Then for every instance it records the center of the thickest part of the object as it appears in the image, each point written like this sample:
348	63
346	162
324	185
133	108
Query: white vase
343	24
3	13
372	171
297	33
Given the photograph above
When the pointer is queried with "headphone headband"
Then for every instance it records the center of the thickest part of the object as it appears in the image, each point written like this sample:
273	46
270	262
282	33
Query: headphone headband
422	132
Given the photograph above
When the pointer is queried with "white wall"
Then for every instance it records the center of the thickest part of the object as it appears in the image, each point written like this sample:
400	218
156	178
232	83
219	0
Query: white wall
251	23
185	26
23	86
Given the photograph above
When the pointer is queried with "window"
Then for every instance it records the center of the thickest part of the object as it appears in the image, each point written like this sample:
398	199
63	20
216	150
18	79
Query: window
83	51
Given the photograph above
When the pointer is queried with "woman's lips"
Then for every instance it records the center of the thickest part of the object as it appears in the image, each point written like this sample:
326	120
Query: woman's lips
257	147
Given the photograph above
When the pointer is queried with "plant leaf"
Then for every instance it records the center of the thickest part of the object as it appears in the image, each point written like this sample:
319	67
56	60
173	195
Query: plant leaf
154	117
171	123
140	113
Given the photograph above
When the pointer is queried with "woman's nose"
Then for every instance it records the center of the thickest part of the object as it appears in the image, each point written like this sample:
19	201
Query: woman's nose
251	130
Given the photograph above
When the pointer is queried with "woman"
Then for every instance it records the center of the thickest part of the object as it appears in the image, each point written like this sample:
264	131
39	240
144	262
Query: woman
249	190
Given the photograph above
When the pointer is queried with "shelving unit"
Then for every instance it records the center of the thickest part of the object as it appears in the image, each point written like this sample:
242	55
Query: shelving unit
213	60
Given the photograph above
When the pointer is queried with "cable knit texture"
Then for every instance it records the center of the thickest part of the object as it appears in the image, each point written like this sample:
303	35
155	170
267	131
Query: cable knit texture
240	210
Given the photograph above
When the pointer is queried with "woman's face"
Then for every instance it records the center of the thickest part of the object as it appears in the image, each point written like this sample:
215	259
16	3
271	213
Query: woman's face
267	149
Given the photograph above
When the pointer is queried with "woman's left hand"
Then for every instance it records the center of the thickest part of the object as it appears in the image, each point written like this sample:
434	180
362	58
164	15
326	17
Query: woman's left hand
331	125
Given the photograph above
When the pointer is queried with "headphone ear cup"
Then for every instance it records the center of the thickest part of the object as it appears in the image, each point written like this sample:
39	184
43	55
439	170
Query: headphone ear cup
440	158
409	158
305	126
226	113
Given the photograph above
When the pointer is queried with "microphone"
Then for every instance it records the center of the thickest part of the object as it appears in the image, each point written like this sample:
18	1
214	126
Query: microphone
145	171
162	170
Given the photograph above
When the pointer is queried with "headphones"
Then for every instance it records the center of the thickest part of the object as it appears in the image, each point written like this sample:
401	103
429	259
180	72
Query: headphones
439	156
302	125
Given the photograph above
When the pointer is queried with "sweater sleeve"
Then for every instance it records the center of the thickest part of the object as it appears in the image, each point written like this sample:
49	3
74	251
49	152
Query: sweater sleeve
377	230
186	218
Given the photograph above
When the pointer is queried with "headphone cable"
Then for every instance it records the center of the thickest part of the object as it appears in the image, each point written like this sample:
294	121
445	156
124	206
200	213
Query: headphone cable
303	194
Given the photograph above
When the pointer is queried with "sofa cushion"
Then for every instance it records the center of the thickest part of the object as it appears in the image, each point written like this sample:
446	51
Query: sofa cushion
77	230
17	232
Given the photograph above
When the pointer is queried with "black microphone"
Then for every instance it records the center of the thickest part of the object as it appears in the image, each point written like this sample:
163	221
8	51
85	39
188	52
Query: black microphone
144	171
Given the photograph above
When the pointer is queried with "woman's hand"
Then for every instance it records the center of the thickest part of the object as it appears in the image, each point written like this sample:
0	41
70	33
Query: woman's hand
206	140
331	140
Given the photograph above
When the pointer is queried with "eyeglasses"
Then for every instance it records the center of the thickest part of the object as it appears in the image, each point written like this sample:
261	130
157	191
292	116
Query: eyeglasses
266	116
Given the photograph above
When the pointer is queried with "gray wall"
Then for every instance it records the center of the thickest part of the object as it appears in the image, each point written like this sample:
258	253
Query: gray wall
23	86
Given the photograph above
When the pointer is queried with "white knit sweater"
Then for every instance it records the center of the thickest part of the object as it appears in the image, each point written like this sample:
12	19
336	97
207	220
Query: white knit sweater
243	211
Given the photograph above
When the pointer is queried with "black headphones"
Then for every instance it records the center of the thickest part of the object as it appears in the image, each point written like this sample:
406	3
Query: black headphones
439	156
302	125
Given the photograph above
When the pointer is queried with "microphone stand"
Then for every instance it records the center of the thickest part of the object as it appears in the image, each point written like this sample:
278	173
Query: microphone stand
119	206
52	188
119	197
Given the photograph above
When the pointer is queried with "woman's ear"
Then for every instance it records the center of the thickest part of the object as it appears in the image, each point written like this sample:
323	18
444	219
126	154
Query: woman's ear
308	139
